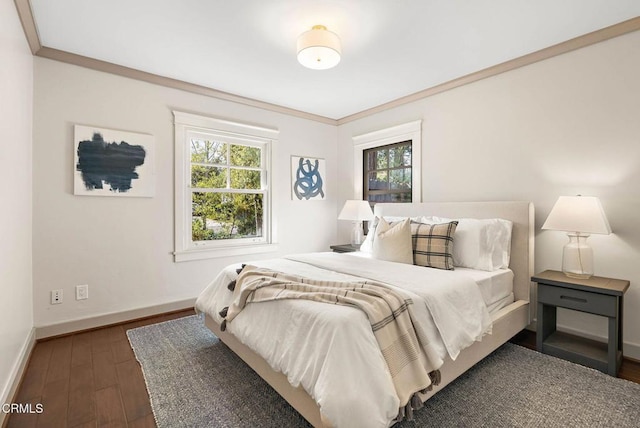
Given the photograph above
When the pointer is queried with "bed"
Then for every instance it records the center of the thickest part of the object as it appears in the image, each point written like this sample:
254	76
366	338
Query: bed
310	364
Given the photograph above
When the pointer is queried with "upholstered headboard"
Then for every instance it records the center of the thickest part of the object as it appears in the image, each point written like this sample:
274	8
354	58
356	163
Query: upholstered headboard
522	236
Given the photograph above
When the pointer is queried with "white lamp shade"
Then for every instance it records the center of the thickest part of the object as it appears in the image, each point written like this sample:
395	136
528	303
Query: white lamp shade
319	48
356	210
583	214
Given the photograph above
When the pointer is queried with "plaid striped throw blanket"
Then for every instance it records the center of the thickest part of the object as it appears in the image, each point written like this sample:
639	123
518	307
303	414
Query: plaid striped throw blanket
388	311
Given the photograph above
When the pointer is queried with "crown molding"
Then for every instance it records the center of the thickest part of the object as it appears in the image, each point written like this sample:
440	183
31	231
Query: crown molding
585	40
120	70
28	24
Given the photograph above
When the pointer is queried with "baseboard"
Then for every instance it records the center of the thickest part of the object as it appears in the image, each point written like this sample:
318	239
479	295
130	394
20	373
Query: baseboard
102	320
15	378
631	351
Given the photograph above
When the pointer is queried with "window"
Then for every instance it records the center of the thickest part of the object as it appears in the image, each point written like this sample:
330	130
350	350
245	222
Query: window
222	188
387	164
387	173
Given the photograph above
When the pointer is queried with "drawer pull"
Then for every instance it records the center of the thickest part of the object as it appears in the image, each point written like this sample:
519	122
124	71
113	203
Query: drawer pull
573	299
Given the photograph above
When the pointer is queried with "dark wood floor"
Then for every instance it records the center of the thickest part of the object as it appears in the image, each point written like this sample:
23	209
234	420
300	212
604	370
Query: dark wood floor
89	379
92	379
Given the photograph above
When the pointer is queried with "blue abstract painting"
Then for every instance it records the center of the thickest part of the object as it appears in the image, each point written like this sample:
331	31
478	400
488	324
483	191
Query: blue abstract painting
307	178
113	163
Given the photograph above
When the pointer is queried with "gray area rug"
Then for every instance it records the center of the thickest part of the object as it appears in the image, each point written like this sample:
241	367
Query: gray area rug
194	380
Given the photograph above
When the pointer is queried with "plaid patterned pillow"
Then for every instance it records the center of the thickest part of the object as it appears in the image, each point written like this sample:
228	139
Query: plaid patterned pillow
433	244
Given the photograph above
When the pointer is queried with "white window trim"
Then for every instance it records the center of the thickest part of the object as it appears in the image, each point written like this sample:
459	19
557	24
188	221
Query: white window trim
184	250
395	134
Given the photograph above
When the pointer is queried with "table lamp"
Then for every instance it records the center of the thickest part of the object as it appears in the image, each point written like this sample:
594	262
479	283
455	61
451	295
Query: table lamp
579	216
356	211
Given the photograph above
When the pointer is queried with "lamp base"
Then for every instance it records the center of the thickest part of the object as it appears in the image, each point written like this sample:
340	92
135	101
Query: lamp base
577	257
578	275
357	235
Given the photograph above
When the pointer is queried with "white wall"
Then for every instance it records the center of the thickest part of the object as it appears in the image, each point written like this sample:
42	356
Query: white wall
121	247
16	100
565	126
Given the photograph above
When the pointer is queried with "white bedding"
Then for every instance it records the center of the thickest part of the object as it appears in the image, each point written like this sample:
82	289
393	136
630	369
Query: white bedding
329	348
495	286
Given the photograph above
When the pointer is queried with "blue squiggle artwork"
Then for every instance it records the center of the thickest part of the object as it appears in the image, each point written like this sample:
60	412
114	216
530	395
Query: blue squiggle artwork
308	180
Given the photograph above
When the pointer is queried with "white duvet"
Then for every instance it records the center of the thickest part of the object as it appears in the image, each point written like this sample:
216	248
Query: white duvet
331	351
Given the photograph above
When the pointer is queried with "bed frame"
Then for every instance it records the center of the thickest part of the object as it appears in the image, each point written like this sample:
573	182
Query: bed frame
507	322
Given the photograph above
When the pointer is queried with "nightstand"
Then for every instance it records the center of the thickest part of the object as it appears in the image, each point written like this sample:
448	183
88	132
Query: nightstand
344	248
596	295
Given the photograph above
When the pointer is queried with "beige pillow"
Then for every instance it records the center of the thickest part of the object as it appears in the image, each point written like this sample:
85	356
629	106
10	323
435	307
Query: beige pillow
393	243
433	245
367	245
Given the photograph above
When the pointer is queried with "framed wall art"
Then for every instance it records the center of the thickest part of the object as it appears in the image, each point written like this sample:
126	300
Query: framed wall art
307	178
108	162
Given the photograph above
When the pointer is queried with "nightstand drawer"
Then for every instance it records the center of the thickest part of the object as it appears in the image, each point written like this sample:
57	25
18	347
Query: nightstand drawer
579	300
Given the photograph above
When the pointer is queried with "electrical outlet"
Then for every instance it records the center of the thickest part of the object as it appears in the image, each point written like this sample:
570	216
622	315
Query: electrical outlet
56	297
82	292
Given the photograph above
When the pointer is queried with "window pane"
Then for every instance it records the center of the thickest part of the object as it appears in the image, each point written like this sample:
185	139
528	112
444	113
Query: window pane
371	159
400	178
245	156
382	159
395	156
226	216
206	151
385	197
387	173
400	156
399	197
245	179
248	215
208	177
378	180
406	155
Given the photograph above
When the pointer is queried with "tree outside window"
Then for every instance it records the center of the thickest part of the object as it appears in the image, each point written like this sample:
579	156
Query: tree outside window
222	188
226	188
387	173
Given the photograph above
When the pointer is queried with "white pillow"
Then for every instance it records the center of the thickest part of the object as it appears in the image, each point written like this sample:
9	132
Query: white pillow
393	243
367	244
483	244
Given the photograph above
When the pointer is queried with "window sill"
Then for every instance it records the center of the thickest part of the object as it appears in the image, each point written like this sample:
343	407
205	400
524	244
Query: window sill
212	253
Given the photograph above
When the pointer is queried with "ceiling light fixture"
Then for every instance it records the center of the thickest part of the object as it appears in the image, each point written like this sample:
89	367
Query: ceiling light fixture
319	48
